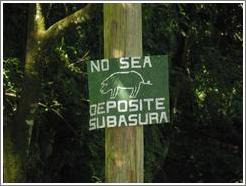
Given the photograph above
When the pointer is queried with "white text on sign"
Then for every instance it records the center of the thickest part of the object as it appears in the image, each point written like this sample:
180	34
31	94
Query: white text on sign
125	63
132	106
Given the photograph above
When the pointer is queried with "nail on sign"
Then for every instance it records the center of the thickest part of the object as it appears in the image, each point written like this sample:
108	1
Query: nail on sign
128	91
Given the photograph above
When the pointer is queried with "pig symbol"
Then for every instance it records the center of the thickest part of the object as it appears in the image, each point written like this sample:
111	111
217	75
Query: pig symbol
123	80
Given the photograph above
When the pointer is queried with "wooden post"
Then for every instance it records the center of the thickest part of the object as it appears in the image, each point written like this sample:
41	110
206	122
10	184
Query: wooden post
123	146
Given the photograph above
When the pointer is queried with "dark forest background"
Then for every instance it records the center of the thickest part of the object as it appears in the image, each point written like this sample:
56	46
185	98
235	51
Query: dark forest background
204	140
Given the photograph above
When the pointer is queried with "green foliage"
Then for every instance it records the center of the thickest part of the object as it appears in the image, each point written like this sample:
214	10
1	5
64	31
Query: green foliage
206	90
12	78
203	142
12	83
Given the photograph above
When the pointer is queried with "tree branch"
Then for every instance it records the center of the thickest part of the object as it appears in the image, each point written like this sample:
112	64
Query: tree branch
39	18
58	28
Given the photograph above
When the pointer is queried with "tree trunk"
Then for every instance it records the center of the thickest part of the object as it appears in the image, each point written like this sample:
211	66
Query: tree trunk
123	146
16	133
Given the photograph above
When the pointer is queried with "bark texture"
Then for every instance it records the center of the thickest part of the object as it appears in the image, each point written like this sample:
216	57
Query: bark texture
123	146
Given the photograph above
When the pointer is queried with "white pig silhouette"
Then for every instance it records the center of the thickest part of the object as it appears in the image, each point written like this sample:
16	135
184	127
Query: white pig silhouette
123	80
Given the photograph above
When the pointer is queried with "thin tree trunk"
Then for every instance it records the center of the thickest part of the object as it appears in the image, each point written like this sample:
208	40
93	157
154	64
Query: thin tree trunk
123	146
16	133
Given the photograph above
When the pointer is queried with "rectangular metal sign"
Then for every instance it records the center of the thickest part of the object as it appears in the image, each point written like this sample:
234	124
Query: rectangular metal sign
128	91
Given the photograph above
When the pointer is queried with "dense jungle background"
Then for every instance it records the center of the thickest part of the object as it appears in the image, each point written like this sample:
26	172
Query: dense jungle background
45	93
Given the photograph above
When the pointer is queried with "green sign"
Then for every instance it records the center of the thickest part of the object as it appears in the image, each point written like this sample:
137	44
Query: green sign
128	91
